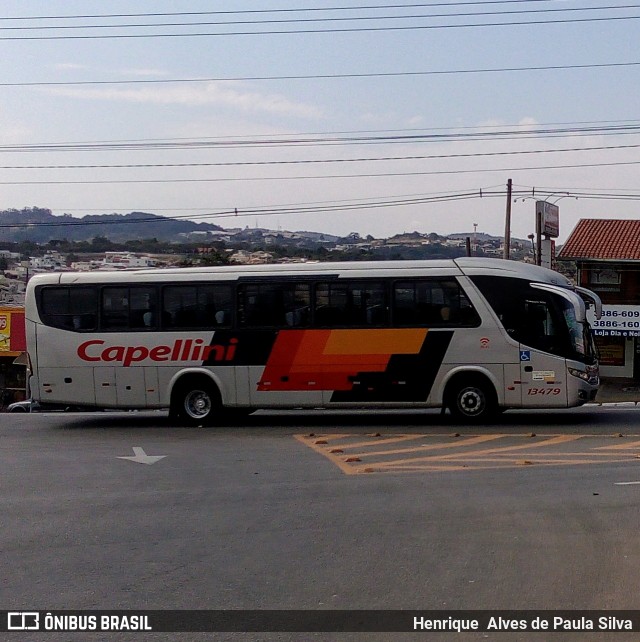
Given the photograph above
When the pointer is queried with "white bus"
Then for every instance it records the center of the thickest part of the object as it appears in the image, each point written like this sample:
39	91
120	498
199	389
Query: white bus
472	335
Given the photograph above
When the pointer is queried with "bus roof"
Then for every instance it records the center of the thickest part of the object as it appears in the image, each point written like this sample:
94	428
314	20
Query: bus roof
517	269
448	267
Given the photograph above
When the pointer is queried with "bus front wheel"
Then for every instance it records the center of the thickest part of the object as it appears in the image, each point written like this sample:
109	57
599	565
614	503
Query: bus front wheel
471	399
196	402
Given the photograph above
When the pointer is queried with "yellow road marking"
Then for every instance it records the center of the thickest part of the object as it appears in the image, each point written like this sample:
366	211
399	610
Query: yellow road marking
309	441
623	446
387	440
347	452
425	447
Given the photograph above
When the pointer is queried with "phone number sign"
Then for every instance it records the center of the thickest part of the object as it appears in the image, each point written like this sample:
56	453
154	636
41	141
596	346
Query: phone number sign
616	321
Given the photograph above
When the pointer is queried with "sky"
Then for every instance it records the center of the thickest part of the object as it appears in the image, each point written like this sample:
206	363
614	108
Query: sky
374	116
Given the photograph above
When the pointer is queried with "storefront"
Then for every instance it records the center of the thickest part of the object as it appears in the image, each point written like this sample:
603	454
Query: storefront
617	335
12	346
607	255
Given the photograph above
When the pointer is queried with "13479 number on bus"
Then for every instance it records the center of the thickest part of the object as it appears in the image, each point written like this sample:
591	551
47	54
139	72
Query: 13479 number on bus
544	391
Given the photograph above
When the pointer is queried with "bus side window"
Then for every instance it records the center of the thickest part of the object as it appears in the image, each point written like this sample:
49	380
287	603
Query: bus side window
274	305
214	305
297	305
124	308
203	305
432	302
69	307
149	318
330	308
351	304
416	304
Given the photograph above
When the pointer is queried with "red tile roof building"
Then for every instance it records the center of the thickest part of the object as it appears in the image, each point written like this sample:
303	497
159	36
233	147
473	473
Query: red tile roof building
603	240
607	257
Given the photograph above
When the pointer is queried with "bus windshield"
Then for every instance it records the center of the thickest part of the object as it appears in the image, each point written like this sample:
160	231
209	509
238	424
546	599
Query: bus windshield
540	316
580	335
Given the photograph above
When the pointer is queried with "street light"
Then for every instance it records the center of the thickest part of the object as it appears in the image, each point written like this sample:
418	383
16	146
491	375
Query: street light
556	196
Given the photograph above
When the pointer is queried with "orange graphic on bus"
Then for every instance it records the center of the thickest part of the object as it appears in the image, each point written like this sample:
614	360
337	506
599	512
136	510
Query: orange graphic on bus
330	359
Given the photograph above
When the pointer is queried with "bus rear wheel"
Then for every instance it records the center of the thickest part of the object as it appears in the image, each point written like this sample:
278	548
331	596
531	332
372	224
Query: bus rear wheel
196	402
471	399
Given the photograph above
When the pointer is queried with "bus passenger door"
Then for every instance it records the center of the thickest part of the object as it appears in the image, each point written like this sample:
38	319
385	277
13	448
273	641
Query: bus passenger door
542	372
543	379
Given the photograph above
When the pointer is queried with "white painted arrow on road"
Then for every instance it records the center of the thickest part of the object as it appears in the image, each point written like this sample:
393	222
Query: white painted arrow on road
140	457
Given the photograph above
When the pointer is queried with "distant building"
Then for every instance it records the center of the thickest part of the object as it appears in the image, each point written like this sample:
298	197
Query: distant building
125	260
52	261
251	258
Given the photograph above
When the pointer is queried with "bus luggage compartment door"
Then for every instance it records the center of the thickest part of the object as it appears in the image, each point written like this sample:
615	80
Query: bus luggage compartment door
104	379
65	385
272	388
137	387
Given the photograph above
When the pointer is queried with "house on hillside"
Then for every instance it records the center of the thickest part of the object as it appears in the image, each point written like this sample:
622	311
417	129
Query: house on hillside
52	261
126	260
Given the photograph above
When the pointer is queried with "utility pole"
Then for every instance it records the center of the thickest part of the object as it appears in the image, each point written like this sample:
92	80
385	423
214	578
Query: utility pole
538	236
507	224
532	237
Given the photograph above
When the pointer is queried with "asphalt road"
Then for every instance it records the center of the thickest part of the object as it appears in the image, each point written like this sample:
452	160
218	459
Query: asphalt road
536	512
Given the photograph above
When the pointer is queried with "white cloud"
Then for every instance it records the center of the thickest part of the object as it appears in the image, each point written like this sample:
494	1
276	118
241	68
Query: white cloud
12	130
143	72
210	93
69	66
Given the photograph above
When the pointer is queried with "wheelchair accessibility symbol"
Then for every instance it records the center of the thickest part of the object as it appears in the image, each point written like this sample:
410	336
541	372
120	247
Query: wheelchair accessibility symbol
525	355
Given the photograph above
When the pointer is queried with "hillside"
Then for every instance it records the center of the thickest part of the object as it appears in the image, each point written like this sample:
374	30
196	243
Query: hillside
39	225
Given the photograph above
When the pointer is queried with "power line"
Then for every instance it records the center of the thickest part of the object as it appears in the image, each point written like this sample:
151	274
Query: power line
367	204
271	11
324	31
337	138
287	21
522	190
319	177
325	160
390	74
334	207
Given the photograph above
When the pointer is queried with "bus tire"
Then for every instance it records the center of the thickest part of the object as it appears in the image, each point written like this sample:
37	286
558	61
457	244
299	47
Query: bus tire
471	399
196	401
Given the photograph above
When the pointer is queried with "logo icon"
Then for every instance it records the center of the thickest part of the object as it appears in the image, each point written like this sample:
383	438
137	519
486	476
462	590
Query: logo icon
484	342
23	621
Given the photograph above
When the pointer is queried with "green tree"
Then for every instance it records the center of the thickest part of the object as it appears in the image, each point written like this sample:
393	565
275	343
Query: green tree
101	244
214	258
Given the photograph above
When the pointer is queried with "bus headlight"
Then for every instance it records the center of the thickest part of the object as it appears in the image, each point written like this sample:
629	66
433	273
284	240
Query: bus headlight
581	374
